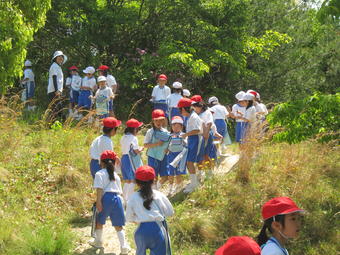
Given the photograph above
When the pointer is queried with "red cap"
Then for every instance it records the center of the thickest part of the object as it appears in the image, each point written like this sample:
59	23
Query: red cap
111	122
279	206
103	68
184	102
197	98
239	245
145	173
134	123
108	155
158	114
254	93
162	77
73	68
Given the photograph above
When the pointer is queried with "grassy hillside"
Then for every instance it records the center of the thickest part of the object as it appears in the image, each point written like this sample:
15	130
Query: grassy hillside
45	187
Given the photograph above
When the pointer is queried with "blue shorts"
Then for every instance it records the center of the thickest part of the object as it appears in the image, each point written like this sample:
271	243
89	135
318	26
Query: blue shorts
221	126
84	101
241	128
30	88
161	106
149	235
210	148
172	170
111	106
161	167
175	112
94	167
74	96
127	168
195	148
113	208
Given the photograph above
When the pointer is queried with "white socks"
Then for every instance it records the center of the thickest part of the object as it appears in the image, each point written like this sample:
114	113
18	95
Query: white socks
193	179
99	236
122	239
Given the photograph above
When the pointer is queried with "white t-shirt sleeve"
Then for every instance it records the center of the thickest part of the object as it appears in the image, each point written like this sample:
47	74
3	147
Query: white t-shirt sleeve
271	249
130	213
98	182
148	136
154	91
134	143
167	91
119	183
166	206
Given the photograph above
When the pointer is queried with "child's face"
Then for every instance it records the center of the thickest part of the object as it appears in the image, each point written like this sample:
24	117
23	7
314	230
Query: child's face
113	131
60	60
161	82
197	109
102	84
292	225
100	72
158	123
177	127
74	72
89	75
184	112
243	103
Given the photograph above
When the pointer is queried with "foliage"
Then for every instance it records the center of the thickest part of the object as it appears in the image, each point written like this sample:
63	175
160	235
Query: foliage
315	116
330	9
223	206
19	20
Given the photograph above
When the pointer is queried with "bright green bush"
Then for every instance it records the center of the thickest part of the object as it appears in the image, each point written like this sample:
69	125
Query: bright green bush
316	116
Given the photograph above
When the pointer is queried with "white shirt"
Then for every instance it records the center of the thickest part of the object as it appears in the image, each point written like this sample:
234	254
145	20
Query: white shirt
237	109
127	141
105	92
55	69
160	93
261	108
219	112
149	134
102	181
99	145
89	82
74	81
194	122
28	74
111	82
173	99
272	249
207	117
250	114
160	207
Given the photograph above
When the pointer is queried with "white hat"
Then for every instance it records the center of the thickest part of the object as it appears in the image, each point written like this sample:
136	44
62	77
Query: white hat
186	93
248	96
59	53
177	85
239	95
90	70
212	99
101	78
28	63
177	119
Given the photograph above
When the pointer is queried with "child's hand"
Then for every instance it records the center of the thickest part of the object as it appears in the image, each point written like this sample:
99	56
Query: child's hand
99	206
160	143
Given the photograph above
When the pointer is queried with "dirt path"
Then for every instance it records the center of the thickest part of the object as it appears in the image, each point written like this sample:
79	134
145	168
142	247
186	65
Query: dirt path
111	243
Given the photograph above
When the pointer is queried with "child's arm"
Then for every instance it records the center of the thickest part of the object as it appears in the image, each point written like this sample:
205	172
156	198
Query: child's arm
152	145
192	132
99	199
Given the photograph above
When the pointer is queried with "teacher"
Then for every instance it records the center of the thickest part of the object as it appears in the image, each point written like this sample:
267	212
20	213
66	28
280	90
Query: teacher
56	76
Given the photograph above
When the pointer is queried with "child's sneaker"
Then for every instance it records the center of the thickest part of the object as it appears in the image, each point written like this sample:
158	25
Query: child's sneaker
125	251
96	244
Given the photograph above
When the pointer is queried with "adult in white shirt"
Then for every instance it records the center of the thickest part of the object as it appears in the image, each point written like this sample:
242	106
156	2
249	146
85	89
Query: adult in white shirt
173	99
56	76
160	94
149	208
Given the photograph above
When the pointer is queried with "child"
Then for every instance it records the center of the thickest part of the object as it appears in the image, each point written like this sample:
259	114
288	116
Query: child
194	134
261	109
74	83
88	87
239	245
238	111
186	93
160	93
103	97
157	146
111	83
209	129
29	84
282	218
130	147
220	114
173	99
176	146
109	203
149	208
103	142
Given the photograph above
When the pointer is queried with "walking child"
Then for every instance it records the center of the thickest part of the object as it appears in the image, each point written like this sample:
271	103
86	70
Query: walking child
238	111
173	99
157	141
88	87
176	146
282	217
109	202
130	150
195	140
160	94
103	143
73	82
111	83
102	98
29	85
149	208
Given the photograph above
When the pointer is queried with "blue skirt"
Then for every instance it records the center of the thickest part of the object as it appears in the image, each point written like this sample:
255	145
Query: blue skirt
127	168
30	88
84	100
113	208
209	148
241	128
195	148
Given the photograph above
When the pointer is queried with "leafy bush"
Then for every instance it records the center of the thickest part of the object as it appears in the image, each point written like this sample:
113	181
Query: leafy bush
316	116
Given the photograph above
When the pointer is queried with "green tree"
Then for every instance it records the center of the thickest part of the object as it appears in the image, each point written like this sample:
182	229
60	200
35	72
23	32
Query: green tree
19	20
